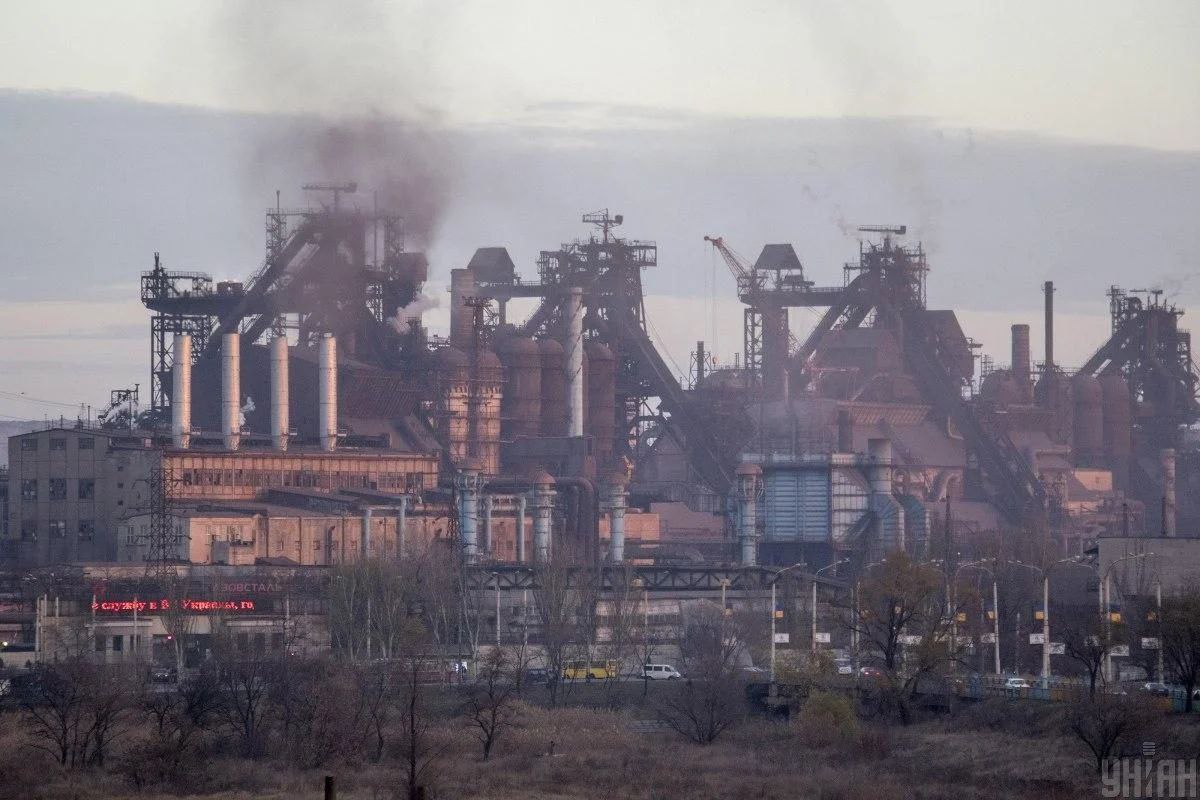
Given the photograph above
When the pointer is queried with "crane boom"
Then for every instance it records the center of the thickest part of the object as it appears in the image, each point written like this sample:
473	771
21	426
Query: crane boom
736	263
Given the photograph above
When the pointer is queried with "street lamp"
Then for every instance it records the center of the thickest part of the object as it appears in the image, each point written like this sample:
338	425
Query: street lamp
995	608
778	574
837	563
1105	593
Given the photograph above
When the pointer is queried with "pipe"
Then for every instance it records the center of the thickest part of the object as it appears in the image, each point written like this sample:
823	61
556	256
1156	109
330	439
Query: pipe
543	507
587	524
521	529
467	483
574	363
463	287
749	481
401	521
1048	288
1167	464
616	526
327	389
231	390
181	392
366	535
280	422
880	469
487	548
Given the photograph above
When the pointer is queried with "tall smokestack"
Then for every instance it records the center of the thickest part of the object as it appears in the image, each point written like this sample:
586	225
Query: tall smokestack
1167	463
280	421
880	471
181	392
1020	357
231	390
1048	288
574	367
616	522
467	483
462	316
327	387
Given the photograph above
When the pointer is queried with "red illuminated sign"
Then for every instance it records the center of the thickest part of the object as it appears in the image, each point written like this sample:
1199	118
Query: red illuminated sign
157	606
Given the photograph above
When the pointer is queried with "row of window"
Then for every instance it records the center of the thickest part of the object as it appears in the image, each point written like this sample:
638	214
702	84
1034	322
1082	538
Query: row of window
32	443
298	478
58	529
58	489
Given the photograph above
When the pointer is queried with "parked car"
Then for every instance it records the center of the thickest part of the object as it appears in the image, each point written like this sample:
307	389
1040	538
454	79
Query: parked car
1016	684
1156	688
844	667
660	672
871	672
161	673
537	675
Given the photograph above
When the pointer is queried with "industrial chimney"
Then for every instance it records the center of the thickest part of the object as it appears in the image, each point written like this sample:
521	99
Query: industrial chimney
181	392
327	388
463	287
543	509
1020	360
231	390
1048	288
280	423
467	484
616	521
574	366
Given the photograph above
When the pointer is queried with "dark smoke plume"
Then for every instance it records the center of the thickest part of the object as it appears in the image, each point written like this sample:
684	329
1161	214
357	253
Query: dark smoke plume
348	88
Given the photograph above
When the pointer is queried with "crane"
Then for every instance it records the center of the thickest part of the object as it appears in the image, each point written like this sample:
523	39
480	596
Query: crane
737	264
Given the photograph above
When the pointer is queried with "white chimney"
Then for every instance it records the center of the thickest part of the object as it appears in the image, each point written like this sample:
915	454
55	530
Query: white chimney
574	364
181	392
280	422
327	389
231	390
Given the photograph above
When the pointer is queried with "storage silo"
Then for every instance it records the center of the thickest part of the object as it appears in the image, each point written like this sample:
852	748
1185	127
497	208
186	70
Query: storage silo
554	388
521	408
601	399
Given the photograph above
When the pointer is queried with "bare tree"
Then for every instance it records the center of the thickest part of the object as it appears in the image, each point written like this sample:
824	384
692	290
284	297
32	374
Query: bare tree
78	710
178	621
245	680
489	704
1105	723
710	699
417	746
565	601
1181	640
1087	640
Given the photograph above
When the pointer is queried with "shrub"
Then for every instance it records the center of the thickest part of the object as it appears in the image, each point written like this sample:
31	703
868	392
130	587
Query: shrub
827	719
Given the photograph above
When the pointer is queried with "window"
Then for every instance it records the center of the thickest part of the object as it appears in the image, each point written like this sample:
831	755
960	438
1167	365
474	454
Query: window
87	488
29	489
87	529
87	443
118	643
99	644
58	528
29	530
58	488
29	444
58	444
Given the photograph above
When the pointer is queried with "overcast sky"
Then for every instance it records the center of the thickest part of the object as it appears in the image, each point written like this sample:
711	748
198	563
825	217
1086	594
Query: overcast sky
1108	71
1020	141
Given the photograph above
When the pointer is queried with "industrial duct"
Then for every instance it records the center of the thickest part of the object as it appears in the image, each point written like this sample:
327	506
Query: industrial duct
880	470
280	422
327	389
616	520
462	319
231	390
181	392
574	365
1020	360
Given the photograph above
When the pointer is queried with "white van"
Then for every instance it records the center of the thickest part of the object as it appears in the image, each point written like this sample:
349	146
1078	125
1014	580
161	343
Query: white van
660	672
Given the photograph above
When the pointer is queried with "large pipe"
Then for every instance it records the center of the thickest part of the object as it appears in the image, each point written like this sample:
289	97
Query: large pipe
1167	463
467	483
231	390
521	529
574	366
366	534
280	422
488	548
1048	288
181	392
543	508
749	478
401	522
879	473
616	521
327	388
462	317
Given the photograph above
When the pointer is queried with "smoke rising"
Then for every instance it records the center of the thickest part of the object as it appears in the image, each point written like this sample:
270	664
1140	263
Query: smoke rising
349	86
411	312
